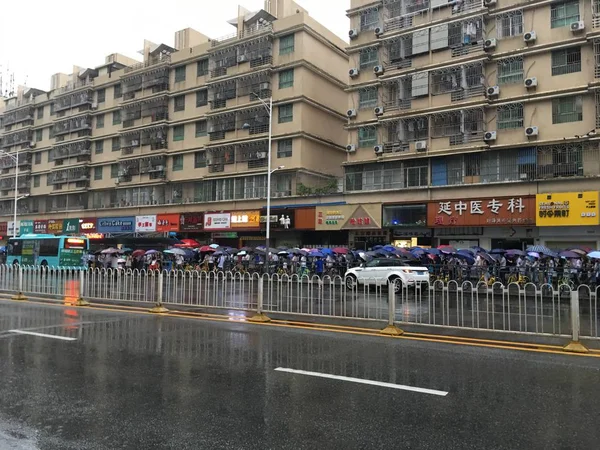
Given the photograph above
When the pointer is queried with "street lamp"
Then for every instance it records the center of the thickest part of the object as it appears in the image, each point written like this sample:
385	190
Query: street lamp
17	198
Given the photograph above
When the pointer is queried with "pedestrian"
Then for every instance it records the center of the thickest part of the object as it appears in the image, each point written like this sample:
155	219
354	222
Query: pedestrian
221	264
319	266
128	262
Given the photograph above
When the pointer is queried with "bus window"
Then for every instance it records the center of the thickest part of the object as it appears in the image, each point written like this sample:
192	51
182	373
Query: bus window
49	247
76	243
14	247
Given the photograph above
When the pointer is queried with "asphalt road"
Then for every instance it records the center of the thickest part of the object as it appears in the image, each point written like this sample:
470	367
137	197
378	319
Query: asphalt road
120	380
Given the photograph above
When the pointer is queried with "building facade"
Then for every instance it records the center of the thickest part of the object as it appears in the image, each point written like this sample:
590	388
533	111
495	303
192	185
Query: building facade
186	130
461	113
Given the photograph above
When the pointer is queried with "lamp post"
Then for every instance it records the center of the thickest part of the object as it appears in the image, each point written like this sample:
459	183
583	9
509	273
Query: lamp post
16	160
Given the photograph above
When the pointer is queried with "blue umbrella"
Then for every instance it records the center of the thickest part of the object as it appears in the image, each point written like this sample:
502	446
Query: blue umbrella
389	248
464	251
515	252
469	259
316	254
377	247
326	251
539	249
479	249
470	251
417	251
498	251
433	251
594	254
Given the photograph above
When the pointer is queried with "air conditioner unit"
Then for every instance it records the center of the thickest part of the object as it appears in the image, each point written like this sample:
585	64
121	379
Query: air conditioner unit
265	86
242	58
489	2
489	44
378	110
531	82
531	131
378	31
353	73
530	36
351	113
378	149
32	144
577	26
261	155
421	146
353	33
135	143
489	136
493	91
378	70
94	105
351	148
523	176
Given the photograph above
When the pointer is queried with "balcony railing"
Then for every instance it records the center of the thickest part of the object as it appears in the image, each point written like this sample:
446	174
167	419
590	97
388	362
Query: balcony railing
19	138
162	58
72	125
18	116
71	150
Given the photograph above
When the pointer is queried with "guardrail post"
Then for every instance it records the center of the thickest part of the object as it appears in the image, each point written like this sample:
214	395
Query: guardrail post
575	345
260	316
81	301
158	308
19	295
392	329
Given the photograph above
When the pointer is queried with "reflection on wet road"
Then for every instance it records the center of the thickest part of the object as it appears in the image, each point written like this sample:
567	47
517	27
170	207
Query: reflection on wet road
139	381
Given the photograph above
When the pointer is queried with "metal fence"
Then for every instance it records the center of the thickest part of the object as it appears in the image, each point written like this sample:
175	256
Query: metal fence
524	308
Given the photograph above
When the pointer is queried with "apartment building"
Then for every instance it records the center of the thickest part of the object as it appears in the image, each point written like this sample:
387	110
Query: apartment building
475	122
186	130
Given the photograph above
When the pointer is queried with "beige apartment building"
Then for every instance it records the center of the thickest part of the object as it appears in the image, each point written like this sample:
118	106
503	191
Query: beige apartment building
475	122
186	129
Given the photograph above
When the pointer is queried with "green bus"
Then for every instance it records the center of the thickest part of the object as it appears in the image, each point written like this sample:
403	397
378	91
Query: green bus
47	250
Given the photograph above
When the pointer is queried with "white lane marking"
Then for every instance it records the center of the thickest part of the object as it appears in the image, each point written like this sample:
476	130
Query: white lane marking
363	381
31	333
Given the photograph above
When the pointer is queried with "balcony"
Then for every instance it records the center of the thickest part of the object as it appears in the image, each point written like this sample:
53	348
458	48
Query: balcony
80	150
155	80
153	166
18	116
74	175
254	153
155	109
257	85
81	125
460	127
221	92
219	125
9	183
219	157
221	60
69	202
7	162
159	59
73	100
250	30
155	137
399	134
23	138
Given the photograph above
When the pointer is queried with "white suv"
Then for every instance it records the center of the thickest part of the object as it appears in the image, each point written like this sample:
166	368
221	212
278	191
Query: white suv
381	271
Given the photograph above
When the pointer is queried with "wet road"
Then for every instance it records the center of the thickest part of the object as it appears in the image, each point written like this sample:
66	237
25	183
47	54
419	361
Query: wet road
96	379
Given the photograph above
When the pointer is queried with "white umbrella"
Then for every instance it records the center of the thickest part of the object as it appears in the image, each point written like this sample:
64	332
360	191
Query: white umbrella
242	253
110	251
120	260
214	245
176	251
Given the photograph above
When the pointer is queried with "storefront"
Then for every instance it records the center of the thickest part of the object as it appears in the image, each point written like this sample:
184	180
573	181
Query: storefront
358	226
56	226
116	225
407	225
500	222
191	225
568	219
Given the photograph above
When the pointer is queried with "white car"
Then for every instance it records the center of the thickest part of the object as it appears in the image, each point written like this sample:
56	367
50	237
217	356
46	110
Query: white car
382	271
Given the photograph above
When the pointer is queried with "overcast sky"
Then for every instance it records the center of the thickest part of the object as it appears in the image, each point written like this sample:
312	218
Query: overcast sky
45	37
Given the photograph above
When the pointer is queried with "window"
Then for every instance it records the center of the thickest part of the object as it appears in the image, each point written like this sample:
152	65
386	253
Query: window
38	158
510	70
202	68
180	103
99	147
369	58
200	159
36	181
509	24
118	92
179	74
40	112
114	170
116	117
369	19
286	113
201	128
567	109
286	78
98	173
367	98
100	121
101	95
177	162
567	60
116	144
39	135
564	14
286	44
202	98
52	112
367	137
284	148
510	116
178	133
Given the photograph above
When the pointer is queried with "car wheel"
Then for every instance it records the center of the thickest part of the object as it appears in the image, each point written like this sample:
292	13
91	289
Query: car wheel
351	282
396	283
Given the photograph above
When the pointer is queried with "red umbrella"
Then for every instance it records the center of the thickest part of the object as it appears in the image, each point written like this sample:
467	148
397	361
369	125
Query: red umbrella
206	248
342	250
190	242
137	253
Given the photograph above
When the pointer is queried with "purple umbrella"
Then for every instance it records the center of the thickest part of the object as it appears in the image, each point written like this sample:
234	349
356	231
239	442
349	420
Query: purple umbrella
515	252
569	254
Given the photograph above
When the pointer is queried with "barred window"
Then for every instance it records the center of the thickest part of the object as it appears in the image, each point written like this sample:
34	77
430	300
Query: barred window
201	128
367	98
200	159
179	74
567	60
564	14
369	58
202	68
179	103
567	109
286	78
286	44
369	19
510	116
202	98
284	148
510	70
286	113
178	133
116	117
509	24
367	137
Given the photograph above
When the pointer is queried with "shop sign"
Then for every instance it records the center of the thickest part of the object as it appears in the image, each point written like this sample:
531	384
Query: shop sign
285	221
40	226
499	211
225	235
71	226
217	221
3	228
167	222
567	208
349	217
116	224
94	235
245	219
191	222
26	226
412	232
145	223
11	228
88	225
55	226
